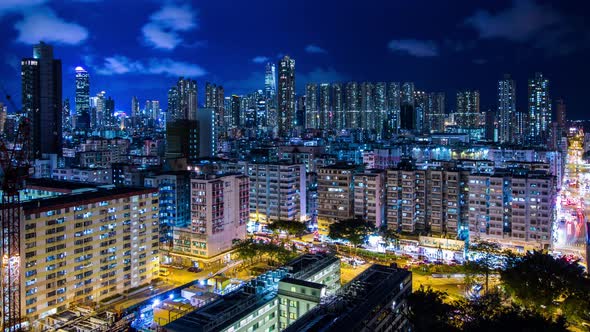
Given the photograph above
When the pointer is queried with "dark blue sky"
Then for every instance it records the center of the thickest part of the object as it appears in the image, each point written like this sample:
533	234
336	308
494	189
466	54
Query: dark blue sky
140	47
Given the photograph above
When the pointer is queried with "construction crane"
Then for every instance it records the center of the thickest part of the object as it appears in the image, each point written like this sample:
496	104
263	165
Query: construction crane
15	166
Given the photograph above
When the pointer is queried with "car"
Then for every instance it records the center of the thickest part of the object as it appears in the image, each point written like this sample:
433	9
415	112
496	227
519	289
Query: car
194	269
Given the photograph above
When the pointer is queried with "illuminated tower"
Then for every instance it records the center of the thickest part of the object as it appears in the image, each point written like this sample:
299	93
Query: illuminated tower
41	100
286	96
506	109
539	110
82	98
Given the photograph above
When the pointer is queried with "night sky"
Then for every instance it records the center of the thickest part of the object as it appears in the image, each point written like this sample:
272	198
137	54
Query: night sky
141	47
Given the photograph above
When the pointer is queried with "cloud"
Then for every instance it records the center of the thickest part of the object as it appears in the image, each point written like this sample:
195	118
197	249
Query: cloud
118	65
7	6
260	59
417	48
480	61
314	49
164	27
521	22
41	24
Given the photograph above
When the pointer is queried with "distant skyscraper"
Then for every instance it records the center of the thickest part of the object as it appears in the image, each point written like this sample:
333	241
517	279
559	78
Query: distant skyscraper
367	113
353	120
99	115
539	110
380	108
436	112
325	108
300	109
490	126
270	84
286	96
506	109
82	98
312	116
235	111
561	115
41	100
408	107
338	110
214	99
182	100
393	108
134	109
467	114
420	111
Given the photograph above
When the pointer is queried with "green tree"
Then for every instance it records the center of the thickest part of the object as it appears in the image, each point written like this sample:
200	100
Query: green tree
247	250
354	231
541	280
291	228
390	236
486	258
428	311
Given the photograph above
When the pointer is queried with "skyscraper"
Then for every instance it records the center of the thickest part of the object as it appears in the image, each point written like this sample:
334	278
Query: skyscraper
82	98
380	108
367	106
506	109
325	108
312	116
134	111
352	106
41	100
182	100
467	109
420	111
66	117
214	99
270	84
436	112
286	96
407	119
393	108
338	110
560	115
539	110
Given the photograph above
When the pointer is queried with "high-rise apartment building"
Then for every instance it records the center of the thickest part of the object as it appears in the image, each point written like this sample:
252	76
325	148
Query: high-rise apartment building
408	107
367	106
83	117
380	105
182	100
286	97
369	196
312	116
435	117
467	113
219	214
506	109
539	115
270	83
81	248
512	208
335	185
325	107
393	108
338	109
353	119
42	100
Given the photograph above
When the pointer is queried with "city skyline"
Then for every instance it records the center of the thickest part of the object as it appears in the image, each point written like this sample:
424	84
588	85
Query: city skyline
481	43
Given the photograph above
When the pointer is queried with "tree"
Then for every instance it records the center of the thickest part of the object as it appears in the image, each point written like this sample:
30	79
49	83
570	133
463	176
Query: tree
290	227
247	250
427	310
541	280
390	236
486	259
354	231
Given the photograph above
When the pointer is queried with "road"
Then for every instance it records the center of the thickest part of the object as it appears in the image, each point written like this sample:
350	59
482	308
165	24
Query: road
570	231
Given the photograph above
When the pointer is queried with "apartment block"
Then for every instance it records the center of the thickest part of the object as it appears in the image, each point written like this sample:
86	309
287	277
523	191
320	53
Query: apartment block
369	196
83	247
514	209
336	192
219	214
